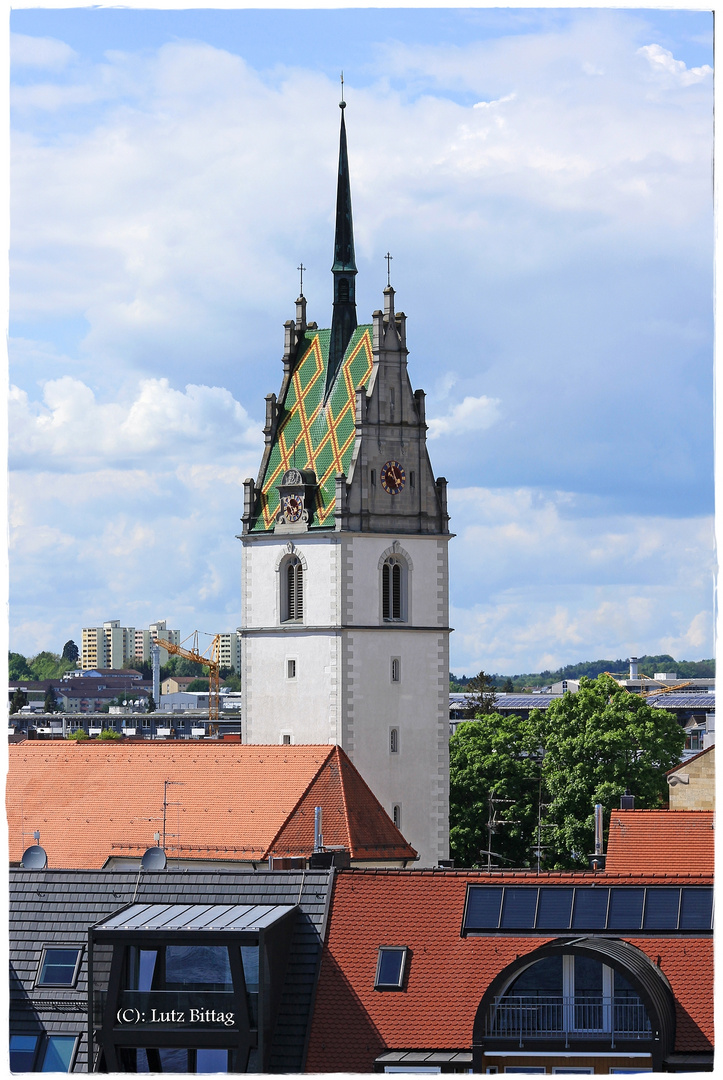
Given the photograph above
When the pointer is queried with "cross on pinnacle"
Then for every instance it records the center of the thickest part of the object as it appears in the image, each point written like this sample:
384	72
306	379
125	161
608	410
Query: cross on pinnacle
389	258
301	269
342	103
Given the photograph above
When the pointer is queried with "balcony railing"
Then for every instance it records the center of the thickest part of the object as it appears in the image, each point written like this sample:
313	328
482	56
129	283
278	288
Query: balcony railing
556	1017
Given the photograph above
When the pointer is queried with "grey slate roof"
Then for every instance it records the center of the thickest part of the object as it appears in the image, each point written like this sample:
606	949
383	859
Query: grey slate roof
55	908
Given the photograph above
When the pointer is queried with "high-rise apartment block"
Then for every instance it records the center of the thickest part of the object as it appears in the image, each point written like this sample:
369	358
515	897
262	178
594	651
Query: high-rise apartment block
112	645
230	651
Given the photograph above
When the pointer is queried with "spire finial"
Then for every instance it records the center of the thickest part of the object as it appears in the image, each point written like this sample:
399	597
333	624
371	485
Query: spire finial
389	258
343	321
342	103
301	269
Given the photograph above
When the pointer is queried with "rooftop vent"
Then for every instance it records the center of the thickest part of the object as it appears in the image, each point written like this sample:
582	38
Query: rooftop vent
627	801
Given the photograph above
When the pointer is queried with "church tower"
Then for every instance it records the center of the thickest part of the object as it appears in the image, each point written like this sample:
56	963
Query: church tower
345	594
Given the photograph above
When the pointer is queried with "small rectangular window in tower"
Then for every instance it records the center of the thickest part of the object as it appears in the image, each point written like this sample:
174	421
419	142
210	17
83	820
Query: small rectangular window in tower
373	477
397	815
411	479
291	669
285	738
391	403
396	669
394	740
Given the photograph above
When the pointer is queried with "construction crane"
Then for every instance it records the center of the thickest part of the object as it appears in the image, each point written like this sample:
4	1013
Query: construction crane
652	686
662	689
212	662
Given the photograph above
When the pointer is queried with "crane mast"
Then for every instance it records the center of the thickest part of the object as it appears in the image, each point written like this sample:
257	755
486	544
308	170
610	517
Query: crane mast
212	662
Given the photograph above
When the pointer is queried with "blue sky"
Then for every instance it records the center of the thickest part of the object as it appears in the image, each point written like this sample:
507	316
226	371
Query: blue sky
543	181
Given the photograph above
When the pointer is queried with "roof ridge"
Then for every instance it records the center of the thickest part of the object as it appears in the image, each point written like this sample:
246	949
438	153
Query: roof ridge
297	804
687	761
341	766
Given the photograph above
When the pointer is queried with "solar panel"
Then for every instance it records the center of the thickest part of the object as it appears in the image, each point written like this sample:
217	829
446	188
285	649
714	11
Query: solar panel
696	909
661	909
518	909
626	909
590	909
483	908
553	910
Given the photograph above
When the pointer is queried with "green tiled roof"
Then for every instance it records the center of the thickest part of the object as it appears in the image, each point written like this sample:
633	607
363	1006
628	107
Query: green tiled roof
310	434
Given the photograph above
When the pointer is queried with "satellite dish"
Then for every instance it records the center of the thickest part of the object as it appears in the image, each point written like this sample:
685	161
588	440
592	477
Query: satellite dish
34	858
154	858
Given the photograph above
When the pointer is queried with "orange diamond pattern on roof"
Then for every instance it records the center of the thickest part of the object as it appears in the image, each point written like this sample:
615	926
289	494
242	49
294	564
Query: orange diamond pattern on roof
655	841
93	801
313	434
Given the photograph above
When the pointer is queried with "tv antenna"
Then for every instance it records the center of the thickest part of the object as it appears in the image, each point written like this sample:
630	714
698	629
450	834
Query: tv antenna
166	804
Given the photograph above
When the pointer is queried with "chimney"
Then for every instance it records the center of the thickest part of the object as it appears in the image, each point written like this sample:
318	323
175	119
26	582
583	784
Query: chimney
598	829
633	661
318	838
627	801
597	861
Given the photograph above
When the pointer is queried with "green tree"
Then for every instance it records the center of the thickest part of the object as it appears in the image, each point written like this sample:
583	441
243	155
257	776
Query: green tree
78	735
494	758
585	748
19	700
108	735
48	665
70	651
198	685
50	705
18	667
598	742
143	666
483	699
151	703
508	686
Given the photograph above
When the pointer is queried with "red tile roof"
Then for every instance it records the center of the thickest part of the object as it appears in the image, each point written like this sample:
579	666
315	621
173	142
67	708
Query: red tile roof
676	841
95	800
448	974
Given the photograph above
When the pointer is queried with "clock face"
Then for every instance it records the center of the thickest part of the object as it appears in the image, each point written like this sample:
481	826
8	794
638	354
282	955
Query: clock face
293	507
393	477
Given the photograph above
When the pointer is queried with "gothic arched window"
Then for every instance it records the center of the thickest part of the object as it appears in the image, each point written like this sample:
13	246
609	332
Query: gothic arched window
292	590
394	590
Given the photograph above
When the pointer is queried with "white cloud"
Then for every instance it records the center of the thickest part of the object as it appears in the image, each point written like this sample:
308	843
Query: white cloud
41	52
71	431
663	62
560	585
472	414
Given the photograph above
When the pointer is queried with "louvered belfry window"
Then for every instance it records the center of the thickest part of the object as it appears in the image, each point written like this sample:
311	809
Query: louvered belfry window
391	590
294	590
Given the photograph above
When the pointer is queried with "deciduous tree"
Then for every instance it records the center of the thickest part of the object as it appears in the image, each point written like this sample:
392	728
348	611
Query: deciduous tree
586	748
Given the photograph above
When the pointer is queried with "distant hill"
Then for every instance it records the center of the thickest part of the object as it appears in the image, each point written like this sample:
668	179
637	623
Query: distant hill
647	665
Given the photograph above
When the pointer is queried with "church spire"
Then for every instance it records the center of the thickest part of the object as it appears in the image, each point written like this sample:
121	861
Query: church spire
343	323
